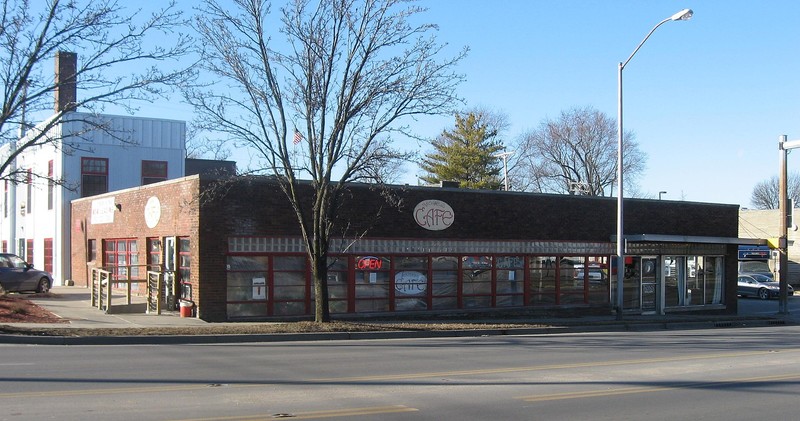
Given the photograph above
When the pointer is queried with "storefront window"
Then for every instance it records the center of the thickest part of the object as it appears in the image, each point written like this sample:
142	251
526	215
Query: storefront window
289	285
510	281
542	280
693	280
411	283
695	287
372	283
598	279
247	287
476	278
337	285
712	272
444	282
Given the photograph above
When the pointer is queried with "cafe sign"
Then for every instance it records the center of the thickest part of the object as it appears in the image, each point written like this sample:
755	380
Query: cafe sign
433	215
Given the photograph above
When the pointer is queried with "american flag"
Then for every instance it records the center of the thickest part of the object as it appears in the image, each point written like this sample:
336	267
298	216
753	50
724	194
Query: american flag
298	137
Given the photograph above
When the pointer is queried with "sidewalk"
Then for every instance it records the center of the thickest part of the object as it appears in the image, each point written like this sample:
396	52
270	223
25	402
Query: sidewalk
74	304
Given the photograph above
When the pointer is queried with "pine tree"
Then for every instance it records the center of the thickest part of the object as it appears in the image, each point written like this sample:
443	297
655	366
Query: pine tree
466	154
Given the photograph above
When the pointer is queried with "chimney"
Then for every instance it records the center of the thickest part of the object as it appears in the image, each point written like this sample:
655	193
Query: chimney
66	81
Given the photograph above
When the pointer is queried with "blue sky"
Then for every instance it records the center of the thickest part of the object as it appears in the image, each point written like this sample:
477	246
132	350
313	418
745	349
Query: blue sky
706	98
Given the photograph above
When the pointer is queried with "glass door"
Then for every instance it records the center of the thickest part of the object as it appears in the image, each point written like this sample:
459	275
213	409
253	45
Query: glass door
649	284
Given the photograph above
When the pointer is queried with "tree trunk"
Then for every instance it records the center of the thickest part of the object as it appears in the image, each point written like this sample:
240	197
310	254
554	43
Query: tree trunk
319	274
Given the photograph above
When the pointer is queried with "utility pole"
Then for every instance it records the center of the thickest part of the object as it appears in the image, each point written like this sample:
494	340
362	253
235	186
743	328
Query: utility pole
783	234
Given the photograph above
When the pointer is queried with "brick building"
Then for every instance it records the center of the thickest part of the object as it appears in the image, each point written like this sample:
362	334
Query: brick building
237	255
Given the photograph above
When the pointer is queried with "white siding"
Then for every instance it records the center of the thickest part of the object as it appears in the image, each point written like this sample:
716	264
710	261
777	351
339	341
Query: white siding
129	141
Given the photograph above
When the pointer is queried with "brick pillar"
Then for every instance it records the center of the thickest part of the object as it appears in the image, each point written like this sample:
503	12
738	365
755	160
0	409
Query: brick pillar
66	91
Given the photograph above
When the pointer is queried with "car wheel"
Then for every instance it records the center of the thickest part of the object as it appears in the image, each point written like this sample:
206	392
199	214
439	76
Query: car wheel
43	286
763	294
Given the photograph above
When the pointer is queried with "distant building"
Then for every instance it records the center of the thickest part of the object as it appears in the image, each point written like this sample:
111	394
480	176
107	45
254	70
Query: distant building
91	154
765	224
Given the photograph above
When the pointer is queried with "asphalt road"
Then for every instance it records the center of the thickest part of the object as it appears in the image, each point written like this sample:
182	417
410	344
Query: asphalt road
757	307
717	374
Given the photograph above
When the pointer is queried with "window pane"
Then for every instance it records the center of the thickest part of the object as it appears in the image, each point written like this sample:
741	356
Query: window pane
290	263
260	263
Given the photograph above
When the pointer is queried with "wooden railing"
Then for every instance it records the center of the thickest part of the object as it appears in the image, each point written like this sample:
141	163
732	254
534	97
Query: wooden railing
104	282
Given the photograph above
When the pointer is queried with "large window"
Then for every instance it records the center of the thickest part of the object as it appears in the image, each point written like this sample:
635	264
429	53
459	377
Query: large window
289	285
372	283
510	281
247	286
94	176
444	282
411	289
153	171
693	280
121	258
542	280
48	255
338	287
476	281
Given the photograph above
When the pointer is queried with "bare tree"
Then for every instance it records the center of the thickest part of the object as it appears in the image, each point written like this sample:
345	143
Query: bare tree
330	77
575	154
765	193
199	144
109	41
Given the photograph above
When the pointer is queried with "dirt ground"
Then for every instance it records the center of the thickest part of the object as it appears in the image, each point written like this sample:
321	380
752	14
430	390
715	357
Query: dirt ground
17	308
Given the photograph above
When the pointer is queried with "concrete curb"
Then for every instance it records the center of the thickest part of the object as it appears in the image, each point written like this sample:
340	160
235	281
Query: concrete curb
380	335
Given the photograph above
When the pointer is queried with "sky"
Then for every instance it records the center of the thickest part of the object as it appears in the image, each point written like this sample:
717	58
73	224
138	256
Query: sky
707	98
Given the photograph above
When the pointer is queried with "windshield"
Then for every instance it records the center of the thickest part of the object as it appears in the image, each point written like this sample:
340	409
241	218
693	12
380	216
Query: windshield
757	267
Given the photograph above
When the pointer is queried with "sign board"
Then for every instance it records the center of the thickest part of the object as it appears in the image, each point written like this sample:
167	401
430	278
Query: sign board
410	283
103	211
259	288
152	212
434	215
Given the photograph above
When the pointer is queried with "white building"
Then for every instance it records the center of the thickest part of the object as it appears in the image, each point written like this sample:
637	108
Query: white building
90	154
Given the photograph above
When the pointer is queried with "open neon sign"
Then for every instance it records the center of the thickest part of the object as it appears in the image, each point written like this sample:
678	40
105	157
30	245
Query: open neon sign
369	263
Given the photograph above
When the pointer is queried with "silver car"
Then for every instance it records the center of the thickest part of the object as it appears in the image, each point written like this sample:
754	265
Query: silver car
761	286
17	275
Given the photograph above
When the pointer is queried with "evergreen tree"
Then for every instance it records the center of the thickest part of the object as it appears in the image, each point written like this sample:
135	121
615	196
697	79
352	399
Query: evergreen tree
466	154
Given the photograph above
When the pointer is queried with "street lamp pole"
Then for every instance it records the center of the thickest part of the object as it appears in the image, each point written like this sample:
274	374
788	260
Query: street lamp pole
505	156
660	193
684	14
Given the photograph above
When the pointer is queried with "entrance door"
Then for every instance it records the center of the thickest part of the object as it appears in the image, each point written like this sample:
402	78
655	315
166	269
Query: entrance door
170	278
649	284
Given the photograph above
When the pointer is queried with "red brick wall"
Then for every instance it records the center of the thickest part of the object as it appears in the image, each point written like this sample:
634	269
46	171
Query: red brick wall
179	217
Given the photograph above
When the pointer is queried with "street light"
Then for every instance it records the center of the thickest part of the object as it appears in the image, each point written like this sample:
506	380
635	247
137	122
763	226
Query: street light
660	193
505	156
684	14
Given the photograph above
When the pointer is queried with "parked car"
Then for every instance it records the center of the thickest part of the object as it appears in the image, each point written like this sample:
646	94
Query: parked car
17	275
761	286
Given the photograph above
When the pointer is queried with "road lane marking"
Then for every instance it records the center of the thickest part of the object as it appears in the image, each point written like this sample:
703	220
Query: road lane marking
390	377
652	389
455	373
332	413
104	391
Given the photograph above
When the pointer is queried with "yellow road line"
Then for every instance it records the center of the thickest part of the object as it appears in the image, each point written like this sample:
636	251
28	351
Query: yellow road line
104	391
651	389
409	376
389	377
346	412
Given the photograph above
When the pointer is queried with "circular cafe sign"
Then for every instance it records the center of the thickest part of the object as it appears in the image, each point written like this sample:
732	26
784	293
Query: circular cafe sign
434	215
410	283
152	212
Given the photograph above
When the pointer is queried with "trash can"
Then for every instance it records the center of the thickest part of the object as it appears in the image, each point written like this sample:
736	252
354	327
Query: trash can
186	308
